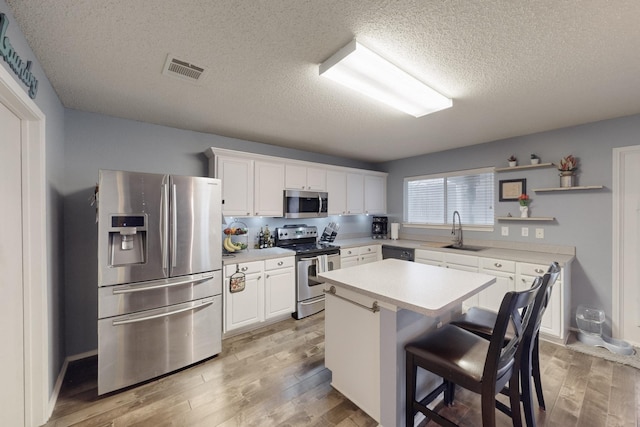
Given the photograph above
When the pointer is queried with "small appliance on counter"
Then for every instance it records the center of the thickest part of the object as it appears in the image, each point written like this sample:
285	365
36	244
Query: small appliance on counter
379	227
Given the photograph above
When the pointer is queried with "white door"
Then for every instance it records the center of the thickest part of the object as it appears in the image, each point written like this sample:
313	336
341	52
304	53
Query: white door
11	288
626	263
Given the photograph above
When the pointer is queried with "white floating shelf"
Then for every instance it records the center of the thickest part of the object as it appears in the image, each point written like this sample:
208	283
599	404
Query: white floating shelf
577	188
532	218
515	168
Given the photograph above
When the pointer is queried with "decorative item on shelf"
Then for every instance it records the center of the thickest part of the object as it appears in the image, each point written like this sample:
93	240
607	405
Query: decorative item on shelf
513	161
524	205
535	159
568	166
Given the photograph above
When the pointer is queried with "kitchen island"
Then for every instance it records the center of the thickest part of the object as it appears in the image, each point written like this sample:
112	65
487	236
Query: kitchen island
372	311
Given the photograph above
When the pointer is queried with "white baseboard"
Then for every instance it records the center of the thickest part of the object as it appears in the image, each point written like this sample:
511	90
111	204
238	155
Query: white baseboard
63	371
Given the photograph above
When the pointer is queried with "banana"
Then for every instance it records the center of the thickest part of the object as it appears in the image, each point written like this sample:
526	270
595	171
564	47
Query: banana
228	245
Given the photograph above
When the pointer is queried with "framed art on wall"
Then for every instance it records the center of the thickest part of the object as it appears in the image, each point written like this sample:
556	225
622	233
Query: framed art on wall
511	189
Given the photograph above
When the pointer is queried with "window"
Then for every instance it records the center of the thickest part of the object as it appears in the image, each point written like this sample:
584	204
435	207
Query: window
430	200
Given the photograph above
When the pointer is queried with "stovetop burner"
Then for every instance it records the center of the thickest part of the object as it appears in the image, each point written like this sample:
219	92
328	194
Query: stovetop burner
303	240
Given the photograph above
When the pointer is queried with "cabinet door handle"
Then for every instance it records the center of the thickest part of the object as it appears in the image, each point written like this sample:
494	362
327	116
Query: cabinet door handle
510	277
280	263
244	268
497	264
539	270
267	276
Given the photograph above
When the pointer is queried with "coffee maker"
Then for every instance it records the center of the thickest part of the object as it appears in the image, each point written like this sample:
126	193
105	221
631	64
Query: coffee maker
379	227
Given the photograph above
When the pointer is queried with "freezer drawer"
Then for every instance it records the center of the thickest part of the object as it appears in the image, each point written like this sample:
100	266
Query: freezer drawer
137	347
130	298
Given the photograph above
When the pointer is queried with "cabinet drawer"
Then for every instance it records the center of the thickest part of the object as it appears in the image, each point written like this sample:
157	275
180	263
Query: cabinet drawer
429	255
532	269
348	252
467	260
498	265
272	264
363	250
245	267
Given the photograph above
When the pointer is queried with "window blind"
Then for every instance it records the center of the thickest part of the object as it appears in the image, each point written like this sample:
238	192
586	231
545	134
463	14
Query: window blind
432	199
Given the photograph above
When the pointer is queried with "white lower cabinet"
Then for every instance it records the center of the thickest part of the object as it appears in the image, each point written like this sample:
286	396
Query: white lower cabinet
269	291
510	275
247	306
505	272
360	255
280	295
555	321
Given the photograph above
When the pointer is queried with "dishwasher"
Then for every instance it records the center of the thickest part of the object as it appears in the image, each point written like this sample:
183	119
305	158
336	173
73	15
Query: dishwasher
397	252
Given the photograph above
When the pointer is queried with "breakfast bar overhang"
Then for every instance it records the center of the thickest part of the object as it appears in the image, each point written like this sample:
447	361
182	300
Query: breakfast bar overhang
372	311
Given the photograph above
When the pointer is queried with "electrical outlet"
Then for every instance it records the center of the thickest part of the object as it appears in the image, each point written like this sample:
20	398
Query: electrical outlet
525	231
505	231
539	233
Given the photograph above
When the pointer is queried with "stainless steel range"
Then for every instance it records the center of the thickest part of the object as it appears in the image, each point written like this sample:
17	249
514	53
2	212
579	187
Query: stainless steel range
312	258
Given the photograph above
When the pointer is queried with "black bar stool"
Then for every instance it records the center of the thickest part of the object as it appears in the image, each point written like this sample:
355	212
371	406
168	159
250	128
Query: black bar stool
482	366
481	322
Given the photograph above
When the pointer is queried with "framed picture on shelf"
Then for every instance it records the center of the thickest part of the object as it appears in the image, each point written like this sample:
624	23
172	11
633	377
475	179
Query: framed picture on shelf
511	189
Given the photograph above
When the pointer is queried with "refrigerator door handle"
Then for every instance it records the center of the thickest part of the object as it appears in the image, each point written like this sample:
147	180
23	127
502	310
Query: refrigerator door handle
157	316
164	225
162	284
174	227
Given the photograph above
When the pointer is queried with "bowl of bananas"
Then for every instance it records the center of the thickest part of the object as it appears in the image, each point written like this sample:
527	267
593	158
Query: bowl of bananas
231	245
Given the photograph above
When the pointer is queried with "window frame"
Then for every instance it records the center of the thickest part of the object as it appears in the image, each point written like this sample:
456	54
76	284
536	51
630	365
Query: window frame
447	225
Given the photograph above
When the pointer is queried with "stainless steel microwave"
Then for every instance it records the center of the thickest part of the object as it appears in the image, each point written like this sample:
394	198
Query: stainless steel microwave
305	204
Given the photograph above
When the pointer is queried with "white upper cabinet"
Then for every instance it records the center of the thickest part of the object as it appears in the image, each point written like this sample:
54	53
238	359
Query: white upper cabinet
375	194
269	186
298	177
236	174
355	193
253	184
337	190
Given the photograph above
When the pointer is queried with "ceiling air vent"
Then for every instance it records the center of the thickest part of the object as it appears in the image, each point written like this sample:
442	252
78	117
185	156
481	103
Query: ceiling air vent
183	70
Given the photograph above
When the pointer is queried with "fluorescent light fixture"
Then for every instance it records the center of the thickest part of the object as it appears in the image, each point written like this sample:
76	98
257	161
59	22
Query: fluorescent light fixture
360	69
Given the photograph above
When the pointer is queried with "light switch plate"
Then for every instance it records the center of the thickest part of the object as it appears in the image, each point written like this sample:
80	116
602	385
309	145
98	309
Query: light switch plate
505	231
525	231
539	233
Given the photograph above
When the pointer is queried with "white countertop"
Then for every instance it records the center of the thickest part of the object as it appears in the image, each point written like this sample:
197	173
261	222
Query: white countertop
421	288
519	252
256	255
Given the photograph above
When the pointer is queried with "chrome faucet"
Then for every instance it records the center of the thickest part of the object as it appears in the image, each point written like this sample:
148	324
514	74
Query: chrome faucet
457	234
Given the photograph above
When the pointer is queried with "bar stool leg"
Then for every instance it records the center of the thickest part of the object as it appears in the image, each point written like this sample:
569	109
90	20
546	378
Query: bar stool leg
536	373
411	372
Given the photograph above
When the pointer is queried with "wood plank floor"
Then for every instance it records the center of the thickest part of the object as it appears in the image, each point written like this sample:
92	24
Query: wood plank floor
275	376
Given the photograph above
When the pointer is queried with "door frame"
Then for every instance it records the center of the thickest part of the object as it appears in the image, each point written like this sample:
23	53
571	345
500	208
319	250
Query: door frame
617	292
34	256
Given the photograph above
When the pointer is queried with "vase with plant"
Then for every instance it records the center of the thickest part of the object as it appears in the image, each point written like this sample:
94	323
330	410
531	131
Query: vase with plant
567	167
535	159
513	161
524	205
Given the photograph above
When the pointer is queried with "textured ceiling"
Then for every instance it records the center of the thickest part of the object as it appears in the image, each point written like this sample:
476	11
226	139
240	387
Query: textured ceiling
512	67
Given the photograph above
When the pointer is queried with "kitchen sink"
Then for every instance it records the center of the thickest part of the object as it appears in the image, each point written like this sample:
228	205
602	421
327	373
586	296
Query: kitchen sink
466	248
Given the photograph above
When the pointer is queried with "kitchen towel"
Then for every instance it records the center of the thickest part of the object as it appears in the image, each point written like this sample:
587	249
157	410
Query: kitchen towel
321	264
395	227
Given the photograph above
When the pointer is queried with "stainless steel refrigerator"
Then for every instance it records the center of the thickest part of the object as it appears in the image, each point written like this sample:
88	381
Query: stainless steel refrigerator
159	275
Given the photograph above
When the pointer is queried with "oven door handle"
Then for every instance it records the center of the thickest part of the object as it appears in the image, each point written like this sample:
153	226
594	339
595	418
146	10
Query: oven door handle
157	316
309	259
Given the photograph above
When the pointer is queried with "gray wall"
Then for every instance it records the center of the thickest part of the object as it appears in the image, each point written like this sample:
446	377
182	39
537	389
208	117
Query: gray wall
94	142
583	218
49	104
